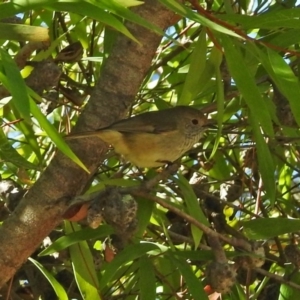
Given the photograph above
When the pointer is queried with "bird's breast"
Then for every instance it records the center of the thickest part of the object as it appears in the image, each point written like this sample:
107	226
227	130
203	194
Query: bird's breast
149	149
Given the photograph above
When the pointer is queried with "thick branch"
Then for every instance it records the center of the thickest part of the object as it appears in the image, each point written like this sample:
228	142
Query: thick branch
41	209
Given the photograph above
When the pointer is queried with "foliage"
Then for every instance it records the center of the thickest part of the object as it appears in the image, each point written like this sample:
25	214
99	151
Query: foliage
234	197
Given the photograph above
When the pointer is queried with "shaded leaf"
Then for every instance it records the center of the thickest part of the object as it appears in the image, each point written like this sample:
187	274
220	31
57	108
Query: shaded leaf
23	32
57	287
10	154
286	291
193	283
75	237
14	82
83	266
54	135
284	17
129	254
146	279
193	207
246	84
269	228
190	14
265	161
197	66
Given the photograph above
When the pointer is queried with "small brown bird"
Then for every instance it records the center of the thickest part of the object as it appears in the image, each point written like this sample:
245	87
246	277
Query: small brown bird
153	138
70	54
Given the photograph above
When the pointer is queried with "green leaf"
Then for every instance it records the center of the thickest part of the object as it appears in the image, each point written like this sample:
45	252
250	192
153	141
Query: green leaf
118	9
197	67
285	79
129	3
216	59
21	32
287	292
146	279
75	237
83	266
92	11
195	287
193	207
265	161
268	228
13	81
10	154
15	84
246	84
57	287
54	135
284	38
127	255
192	15
221	169
285	18
27	130
144	212
85	8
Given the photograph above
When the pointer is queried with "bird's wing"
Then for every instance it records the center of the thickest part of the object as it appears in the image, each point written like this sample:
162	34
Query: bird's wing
145	123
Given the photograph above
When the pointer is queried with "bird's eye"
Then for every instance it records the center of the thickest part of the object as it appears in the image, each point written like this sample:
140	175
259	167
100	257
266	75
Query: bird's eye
195	121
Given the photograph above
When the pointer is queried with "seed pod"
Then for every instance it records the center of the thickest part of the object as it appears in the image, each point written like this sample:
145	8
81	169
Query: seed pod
220	276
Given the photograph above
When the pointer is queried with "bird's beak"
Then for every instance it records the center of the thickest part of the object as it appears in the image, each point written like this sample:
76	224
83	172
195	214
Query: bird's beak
210	123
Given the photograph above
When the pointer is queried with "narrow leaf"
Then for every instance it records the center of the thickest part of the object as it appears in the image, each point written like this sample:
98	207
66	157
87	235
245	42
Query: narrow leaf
9	154
144	212
285	80
265	161
193	283
15	84
127	255
283	18
57	287
246	84
82	8
122	11
192	15
75	237
21	32
92	11
54	135
146	279
197	66
216	59
83	266
193	207
29	134
268	228
286	291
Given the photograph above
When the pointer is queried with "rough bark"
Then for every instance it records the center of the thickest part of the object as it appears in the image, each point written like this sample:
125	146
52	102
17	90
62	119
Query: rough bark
42	207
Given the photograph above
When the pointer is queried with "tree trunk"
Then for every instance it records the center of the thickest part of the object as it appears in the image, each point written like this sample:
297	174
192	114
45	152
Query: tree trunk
42	207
